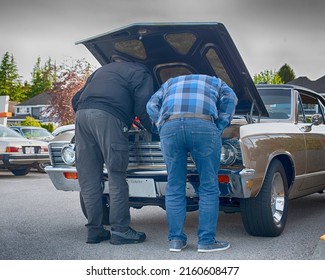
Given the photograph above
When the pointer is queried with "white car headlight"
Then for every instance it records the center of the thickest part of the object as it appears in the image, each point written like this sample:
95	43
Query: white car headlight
68	154
228	154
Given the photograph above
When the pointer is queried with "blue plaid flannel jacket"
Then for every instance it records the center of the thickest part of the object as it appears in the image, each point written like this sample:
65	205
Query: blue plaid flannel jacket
198	94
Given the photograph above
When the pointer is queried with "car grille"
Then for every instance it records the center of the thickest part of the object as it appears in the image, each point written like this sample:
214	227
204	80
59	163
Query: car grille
142	155
55	152
149	155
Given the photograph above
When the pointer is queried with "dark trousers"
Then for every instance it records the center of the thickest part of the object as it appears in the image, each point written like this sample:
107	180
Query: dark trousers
101	138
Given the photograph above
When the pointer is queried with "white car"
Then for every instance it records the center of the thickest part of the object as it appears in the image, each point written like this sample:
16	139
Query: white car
33	132
18	154
63	129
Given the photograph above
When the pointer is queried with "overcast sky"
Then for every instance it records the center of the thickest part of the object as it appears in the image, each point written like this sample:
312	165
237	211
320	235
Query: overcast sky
268	33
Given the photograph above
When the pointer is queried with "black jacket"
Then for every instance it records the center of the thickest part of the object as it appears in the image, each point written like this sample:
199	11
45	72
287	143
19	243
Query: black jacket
120	88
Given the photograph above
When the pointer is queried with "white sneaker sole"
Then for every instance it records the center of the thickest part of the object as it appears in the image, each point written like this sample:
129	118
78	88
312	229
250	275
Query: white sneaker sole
213	250
177	250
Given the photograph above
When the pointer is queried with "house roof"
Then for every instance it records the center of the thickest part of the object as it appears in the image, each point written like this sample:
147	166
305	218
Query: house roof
318	85
40	99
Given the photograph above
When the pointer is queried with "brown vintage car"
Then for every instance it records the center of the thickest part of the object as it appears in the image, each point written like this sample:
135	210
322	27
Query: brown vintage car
273	151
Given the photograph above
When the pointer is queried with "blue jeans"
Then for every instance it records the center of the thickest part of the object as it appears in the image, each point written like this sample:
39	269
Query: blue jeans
202	139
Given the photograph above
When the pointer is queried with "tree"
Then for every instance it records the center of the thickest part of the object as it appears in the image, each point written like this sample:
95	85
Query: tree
286	73
268	77
71	78
42	78
10	80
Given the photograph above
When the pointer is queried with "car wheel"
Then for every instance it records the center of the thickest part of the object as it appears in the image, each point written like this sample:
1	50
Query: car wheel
266	214
41	167
20	171
105	204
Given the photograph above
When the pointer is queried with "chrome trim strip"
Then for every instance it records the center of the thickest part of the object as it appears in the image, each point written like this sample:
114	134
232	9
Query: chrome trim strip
318	173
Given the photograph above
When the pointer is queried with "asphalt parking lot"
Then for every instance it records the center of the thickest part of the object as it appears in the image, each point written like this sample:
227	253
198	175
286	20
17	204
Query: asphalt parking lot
39	222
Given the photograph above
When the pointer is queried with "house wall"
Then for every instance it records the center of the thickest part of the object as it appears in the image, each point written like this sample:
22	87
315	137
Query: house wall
37	112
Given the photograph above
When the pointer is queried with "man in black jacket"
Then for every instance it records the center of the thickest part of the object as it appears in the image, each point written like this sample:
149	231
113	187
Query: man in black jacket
105	107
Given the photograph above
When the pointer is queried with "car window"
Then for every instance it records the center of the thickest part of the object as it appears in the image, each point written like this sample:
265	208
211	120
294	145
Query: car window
308	106
7	132
15	129
277	102
63	129
35	133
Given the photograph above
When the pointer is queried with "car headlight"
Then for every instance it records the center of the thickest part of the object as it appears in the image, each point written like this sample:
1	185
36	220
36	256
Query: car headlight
68	154
228	154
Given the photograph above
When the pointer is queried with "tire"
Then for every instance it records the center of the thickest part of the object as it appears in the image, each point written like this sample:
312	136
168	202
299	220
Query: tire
105	203
266	214
41	167
20	171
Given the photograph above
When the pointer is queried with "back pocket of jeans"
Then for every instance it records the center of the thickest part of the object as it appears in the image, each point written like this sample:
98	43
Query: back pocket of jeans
205	143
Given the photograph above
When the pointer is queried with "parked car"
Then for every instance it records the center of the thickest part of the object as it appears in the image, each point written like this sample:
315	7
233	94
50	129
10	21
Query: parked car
18	154
273	151
63	129
33	132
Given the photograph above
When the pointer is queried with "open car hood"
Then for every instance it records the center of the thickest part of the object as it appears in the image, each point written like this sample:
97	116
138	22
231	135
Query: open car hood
172	49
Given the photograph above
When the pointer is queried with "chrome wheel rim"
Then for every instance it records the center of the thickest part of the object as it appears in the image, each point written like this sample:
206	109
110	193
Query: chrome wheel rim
277	197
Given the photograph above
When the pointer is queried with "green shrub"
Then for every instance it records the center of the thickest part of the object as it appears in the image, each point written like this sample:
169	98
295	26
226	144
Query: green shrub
30	121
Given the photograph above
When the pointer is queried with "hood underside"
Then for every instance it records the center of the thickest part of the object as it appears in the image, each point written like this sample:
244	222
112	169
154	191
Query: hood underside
173	49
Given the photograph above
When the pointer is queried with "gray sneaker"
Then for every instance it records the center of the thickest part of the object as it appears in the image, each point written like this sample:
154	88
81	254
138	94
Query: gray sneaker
129	237
214	247
177	245
104	235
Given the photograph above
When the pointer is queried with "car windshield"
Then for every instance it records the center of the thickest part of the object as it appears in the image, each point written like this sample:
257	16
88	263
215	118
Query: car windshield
36	133
6	132
277	102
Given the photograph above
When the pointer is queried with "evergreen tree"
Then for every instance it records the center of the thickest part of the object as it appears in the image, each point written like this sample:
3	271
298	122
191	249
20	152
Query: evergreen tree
10	80
286	73
43	78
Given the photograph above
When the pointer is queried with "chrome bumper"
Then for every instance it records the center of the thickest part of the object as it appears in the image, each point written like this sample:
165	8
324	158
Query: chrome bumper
58	179
144	183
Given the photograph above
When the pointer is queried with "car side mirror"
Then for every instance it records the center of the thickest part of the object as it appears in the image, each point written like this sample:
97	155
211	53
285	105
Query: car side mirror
316	119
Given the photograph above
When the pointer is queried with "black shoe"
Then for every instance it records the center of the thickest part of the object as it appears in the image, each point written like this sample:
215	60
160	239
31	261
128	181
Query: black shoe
104	235
129	237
